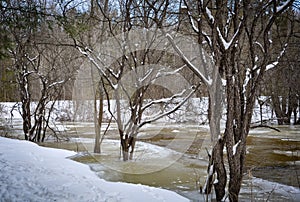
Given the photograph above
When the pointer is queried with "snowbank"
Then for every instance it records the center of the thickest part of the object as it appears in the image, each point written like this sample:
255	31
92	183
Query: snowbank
193	111
33	173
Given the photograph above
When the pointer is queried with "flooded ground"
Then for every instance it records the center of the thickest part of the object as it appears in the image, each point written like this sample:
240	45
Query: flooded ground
173	156
275	156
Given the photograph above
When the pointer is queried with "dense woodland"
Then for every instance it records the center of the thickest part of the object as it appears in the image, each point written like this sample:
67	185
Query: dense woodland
234	52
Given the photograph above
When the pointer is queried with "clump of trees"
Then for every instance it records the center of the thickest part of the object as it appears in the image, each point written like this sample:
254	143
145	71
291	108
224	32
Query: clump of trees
128	64
238	36
281	84
41	65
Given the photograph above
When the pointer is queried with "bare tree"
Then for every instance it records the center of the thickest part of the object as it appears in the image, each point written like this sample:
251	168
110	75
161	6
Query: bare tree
129	62
237	35
41	68
127	85
88	28
98	22
282	83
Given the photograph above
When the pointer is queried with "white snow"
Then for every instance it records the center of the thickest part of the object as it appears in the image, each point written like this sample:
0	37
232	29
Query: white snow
210	16
260	46
56	83
33	173
194	25
211	169
207	38
247	78
223	82
225	43
194	110
279	8
272	65
235	147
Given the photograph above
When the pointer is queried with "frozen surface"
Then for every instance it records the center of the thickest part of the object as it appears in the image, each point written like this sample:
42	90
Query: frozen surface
33	173
264	190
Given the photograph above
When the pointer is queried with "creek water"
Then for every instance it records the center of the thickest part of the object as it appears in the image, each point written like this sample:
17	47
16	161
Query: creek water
174	157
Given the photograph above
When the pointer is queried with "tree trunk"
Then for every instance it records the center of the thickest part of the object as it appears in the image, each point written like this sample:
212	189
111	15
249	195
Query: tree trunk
98	118
125	148
216	164
126	144
132	145
279	111
25	97
236	170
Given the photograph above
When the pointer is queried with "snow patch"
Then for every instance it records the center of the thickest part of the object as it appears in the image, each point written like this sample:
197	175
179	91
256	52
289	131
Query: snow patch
235	147
33	173
272	65
211	169
280	8
210	16
216	181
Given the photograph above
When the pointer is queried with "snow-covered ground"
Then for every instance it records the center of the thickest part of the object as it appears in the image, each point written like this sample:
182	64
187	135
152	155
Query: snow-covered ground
33	173
193	111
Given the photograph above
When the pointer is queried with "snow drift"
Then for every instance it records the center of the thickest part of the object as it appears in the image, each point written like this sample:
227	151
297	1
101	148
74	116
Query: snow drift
33	173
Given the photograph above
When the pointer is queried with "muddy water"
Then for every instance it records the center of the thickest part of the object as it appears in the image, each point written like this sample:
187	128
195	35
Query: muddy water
273	159
275	156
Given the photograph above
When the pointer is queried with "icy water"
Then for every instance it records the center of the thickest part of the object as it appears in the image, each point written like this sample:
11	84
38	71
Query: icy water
173	156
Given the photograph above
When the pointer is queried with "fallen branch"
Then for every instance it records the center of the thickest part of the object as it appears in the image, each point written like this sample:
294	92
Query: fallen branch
264	126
